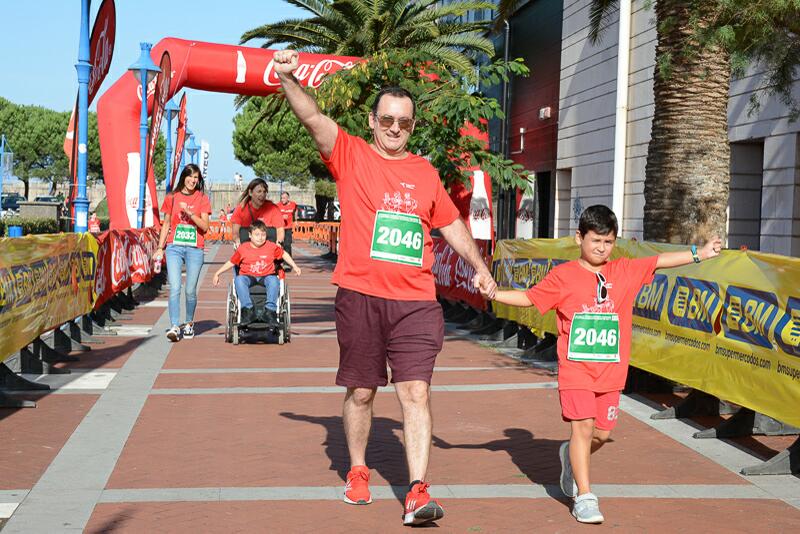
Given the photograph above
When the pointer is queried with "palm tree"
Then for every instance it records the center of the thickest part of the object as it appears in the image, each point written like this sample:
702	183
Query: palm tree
701	43
364	27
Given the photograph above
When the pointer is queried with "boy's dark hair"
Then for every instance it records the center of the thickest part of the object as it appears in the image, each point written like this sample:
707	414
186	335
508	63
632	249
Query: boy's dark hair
258	225
599	219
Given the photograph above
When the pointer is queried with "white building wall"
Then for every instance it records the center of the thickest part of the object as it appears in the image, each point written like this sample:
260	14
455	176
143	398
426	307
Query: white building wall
586	132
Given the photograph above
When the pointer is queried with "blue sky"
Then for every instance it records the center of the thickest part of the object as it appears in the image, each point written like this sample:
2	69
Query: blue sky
39	43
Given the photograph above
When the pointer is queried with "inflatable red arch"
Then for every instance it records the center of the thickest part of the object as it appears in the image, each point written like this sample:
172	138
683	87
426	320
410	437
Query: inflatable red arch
205	66
223	69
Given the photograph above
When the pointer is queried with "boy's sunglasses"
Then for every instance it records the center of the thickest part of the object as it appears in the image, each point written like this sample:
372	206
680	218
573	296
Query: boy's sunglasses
387	121
602	290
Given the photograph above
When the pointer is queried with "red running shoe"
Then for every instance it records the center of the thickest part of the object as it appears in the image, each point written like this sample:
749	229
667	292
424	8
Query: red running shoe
420	508
356	490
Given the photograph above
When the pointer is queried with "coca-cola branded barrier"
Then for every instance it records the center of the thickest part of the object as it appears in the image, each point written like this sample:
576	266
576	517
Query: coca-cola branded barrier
198	65
123	260
454	275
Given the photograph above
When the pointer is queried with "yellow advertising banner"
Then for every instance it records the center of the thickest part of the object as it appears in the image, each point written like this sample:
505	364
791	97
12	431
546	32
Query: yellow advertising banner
45	280
729	326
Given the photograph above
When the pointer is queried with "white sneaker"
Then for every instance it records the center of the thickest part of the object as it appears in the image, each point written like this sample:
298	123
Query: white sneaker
567	481
188	330
587	509
174	334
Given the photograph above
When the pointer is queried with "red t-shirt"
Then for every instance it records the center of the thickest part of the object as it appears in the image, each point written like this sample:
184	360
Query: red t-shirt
366	183
570	288
268	213
257	261
287	210
198	203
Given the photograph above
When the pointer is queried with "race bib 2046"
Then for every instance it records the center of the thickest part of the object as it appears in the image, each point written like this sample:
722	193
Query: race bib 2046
594	337
397	238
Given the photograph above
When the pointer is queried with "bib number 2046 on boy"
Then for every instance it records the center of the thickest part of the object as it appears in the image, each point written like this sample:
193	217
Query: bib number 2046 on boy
594	337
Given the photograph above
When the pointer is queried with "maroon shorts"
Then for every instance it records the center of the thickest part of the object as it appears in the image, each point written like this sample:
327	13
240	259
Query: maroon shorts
373	331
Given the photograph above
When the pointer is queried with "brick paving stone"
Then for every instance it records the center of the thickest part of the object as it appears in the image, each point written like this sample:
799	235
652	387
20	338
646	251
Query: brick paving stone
112	354
31	437
230	380
463	515
505	437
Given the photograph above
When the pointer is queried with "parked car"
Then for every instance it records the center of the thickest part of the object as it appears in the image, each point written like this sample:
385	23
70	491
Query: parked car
306	212
53	199
10	201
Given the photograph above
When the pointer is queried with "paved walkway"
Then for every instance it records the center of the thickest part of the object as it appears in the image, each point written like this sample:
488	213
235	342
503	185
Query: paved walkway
200	436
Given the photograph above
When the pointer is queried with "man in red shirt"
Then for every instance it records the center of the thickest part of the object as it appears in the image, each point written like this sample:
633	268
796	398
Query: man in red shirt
593	298
287	208
386	309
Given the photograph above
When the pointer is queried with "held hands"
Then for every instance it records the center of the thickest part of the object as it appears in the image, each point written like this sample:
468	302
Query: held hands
184	207
711	249
485	284
158	255
285	61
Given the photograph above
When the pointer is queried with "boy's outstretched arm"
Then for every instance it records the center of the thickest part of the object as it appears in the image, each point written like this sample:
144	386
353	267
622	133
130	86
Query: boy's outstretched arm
288	259
675	259
226	267
513	298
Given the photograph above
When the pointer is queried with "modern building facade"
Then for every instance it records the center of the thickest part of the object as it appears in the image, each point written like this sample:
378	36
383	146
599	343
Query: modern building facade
764	209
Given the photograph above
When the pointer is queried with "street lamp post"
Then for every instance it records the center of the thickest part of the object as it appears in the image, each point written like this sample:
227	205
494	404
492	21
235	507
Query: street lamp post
193	148
84	69
187	135
144	70
172	110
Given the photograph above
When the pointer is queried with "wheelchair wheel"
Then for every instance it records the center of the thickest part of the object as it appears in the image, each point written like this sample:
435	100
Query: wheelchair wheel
287	318
235	335
281	339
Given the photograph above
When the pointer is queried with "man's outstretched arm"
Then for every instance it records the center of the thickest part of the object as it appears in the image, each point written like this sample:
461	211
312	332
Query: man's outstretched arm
321	127
459	238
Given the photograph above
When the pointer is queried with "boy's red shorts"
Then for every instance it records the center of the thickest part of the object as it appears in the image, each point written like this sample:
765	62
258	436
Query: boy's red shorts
577	404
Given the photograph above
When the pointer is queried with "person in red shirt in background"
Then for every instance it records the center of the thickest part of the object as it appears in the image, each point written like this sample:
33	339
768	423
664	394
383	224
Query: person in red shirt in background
386	308
187	210
256	261
254	206
94	223
287	208
593	298
223	217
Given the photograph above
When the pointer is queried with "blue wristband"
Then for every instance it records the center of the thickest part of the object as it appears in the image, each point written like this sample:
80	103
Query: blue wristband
695	257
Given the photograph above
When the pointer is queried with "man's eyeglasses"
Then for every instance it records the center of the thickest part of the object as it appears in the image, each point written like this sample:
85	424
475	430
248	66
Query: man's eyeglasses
387	121
602	290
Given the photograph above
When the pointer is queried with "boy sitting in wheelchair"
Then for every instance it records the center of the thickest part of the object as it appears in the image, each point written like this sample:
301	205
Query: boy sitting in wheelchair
256	261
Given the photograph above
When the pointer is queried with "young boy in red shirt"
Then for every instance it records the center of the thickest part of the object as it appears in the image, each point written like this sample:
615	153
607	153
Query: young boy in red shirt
593	298
256	261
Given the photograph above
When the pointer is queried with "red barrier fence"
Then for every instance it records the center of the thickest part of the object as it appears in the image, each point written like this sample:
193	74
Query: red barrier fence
324	234
454	275
219	231
123	259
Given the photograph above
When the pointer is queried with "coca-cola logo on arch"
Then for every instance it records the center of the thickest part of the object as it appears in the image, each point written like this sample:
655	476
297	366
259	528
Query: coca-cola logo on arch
310	73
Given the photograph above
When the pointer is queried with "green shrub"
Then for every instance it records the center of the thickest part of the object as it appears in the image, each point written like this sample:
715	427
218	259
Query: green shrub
30	225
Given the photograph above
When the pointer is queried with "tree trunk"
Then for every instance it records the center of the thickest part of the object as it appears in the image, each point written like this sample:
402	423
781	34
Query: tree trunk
687	180
27	188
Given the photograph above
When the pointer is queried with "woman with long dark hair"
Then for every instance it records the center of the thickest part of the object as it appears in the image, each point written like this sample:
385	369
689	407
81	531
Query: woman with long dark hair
187	210
253	206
